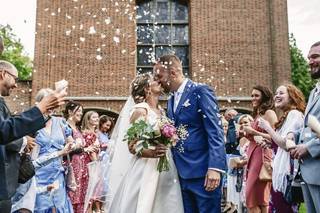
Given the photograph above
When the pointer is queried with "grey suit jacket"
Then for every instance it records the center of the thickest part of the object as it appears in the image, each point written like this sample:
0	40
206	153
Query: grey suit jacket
310	165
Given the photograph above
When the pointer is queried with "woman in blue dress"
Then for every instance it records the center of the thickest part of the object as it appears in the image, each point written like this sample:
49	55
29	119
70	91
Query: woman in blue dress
51	139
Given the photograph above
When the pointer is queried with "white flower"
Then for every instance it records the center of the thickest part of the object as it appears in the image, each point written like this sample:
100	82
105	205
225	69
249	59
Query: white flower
186	103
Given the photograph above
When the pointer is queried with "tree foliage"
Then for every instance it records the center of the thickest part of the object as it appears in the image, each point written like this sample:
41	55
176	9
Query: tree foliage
14	53
300	69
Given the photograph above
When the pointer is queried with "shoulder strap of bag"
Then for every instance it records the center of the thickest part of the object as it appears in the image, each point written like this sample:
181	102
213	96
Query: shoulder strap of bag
65	139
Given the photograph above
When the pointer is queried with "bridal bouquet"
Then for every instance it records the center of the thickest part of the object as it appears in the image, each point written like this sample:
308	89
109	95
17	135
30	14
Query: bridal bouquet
162	132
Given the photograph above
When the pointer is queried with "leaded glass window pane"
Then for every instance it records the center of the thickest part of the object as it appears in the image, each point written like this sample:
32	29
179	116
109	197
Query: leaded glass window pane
163	50
162	11
144	34
162	34
180	34
162	28
144	11
179	11
145	56
183	54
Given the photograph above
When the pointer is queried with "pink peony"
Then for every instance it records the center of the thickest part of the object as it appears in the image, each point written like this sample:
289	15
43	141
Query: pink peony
168	130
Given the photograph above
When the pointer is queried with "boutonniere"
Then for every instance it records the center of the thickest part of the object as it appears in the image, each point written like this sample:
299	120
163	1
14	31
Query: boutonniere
186	103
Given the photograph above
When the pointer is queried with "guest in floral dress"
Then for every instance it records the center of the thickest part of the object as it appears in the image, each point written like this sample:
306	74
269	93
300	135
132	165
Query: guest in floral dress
79	160
90	124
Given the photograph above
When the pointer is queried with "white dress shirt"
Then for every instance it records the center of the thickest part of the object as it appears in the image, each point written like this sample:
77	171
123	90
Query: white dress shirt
178	94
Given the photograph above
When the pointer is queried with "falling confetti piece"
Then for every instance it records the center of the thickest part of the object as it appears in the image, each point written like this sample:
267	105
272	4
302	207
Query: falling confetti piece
116	39
92	30
99	57
107	20
68	32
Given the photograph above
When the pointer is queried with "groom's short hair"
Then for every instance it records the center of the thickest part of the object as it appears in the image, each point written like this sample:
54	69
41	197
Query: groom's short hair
170	61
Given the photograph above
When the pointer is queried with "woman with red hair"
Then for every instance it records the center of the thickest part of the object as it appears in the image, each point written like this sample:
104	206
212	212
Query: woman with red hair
290	103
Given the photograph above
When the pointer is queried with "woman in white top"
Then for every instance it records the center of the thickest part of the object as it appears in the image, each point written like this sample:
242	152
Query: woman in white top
290	102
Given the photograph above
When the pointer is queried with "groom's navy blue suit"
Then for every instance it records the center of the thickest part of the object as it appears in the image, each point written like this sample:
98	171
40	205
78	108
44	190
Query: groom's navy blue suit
202	150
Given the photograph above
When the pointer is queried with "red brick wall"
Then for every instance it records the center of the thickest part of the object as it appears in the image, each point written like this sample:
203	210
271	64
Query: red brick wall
19	99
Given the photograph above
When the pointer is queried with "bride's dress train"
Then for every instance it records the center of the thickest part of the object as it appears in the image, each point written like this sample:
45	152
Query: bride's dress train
142	188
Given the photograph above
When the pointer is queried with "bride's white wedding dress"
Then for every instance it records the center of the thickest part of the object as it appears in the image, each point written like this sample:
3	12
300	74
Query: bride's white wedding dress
143	189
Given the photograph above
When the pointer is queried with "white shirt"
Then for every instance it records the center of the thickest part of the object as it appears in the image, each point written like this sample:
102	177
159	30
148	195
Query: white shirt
317	91
178	94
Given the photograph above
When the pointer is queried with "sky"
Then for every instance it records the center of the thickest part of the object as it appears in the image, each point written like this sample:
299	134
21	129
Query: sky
303	17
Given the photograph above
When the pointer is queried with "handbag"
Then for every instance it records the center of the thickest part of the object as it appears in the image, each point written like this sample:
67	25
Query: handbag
237	162
26	169
293	193
265	173
69	172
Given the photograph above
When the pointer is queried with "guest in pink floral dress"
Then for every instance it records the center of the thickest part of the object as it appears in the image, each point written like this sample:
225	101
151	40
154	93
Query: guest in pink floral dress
90	124
79	157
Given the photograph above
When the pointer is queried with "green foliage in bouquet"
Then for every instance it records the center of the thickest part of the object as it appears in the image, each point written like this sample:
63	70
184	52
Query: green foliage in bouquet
142	132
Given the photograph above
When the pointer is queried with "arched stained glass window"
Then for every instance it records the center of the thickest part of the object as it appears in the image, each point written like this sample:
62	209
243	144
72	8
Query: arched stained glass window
162	28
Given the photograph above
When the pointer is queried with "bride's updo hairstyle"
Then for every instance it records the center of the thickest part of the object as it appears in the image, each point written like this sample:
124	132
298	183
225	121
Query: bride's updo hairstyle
138	86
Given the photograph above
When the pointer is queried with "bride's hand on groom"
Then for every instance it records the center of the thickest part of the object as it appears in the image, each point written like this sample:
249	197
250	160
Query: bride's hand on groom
212	180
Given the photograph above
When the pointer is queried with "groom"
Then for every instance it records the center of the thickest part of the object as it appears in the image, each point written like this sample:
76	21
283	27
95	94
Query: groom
201	158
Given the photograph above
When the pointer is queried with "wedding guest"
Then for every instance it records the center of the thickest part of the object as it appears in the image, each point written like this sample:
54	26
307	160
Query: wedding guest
90	123
105	127
258	191
52	139
225	126
244	120
289	100
307	152
73	114
225	204
231	115
23	200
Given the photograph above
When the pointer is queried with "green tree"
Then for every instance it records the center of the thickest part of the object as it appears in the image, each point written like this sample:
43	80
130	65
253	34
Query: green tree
14	53
300	69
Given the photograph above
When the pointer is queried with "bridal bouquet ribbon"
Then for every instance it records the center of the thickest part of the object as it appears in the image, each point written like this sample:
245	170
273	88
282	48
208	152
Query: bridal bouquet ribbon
162	132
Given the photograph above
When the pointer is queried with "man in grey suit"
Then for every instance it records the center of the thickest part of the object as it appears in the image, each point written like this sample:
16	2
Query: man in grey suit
308	150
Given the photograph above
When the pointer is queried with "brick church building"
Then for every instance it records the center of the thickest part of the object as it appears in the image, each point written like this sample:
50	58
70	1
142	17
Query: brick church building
100	45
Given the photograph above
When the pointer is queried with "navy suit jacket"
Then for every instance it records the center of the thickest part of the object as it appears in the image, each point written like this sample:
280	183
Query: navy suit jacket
204	147
16	127
9	160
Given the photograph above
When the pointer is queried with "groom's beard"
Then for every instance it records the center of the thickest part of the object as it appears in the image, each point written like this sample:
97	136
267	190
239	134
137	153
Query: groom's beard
315	71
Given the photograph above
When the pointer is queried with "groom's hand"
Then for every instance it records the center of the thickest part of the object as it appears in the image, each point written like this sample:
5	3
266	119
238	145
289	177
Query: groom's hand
212	180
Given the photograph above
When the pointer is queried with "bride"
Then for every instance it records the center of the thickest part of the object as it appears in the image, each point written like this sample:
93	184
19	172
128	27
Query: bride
136	185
